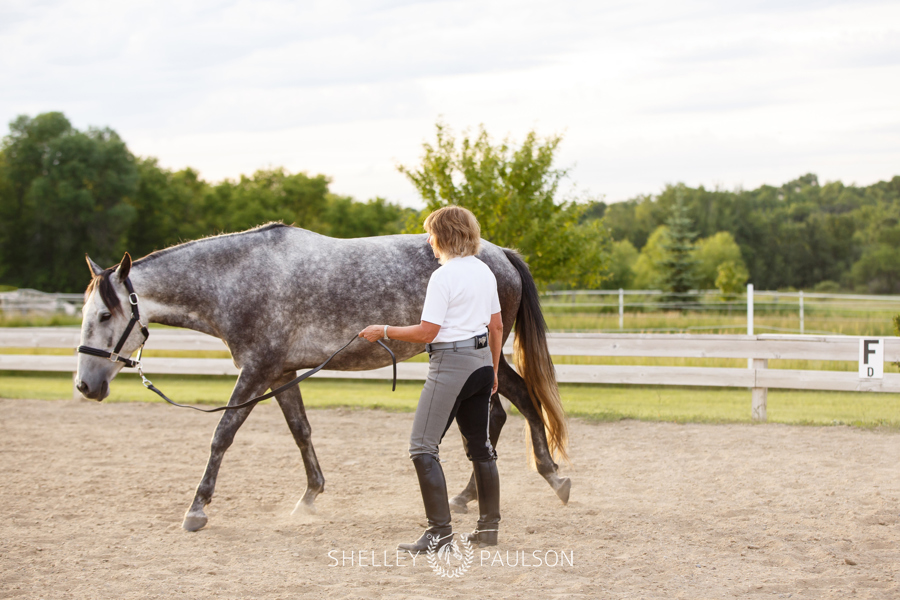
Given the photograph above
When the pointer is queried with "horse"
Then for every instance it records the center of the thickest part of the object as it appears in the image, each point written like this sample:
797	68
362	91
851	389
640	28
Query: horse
282	299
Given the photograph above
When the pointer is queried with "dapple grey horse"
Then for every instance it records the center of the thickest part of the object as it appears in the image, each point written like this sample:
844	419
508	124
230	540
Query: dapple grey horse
283	298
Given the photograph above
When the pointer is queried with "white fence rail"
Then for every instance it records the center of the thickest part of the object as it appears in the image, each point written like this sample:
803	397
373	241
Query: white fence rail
758	349
24	301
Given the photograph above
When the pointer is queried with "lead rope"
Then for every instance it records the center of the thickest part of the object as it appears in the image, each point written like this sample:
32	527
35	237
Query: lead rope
114	356
149	384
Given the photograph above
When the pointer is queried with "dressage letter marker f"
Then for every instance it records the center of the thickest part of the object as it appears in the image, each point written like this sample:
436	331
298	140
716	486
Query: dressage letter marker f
871	359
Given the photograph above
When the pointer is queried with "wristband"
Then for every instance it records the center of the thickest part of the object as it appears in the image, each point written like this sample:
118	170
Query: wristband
385	333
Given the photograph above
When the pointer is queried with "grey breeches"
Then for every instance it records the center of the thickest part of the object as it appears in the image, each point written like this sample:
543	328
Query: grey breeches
458	386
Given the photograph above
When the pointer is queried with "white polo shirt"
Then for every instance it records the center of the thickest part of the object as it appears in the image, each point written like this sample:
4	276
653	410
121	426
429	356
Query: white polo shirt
461	297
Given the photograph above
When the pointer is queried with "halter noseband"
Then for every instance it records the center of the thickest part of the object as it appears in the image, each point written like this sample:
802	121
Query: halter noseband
114	356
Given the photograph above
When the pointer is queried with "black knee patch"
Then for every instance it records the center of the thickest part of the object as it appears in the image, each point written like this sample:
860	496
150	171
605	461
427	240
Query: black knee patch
472	412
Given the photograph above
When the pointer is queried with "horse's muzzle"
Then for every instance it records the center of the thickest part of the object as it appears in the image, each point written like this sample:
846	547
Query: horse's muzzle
98	393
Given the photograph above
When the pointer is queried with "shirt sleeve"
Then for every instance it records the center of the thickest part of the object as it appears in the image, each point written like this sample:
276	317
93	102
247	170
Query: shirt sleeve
437	299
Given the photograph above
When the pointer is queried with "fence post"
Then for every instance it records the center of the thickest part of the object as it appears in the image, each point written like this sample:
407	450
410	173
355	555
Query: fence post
749	318
759	395
749	309
801	312
621	308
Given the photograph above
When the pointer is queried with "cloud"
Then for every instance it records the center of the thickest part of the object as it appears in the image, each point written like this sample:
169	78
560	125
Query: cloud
717	91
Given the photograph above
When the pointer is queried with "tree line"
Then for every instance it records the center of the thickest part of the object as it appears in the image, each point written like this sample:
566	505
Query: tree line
65	192
800	235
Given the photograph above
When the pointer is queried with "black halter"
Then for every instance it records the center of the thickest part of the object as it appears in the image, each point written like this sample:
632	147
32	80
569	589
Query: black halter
114	356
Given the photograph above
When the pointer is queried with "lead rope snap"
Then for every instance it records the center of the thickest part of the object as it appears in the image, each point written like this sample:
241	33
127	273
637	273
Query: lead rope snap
140	368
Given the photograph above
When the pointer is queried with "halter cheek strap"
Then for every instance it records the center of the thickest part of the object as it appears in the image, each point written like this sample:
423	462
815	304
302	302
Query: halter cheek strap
114	356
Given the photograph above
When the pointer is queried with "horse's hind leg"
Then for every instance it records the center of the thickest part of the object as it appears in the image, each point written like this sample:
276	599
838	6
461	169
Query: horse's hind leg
498	418
291	403
247	386
512	386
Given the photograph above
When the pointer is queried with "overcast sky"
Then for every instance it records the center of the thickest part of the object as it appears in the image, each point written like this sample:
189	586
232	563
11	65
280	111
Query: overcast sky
645	93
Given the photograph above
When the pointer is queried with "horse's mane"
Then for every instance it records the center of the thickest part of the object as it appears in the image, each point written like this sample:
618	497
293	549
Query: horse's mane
106	290
260	229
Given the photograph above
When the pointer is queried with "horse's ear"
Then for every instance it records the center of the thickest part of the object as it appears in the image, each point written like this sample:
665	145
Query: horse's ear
94	267
124	267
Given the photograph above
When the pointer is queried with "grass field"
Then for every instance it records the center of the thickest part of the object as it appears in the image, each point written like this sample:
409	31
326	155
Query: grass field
573	320
38	320
592	402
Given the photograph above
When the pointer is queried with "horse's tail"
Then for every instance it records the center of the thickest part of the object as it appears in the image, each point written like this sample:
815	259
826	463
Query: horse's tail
532	359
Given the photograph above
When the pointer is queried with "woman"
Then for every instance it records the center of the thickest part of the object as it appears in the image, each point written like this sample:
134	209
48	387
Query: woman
463	333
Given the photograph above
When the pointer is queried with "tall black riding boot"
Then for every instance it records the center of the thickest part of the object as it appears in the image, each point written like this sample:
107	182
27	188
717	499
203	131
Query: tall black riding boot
487	482
437	509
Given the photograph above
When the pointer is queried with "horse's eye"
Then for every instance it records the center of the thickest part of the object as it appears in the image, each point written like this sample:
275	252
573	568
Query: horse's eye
104	317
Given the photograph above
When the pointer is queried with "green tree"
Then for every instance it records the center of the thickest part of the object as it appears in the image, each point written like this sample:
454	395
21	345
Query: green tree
878	270
647	268
66	193
269	195
512	191
712	252
828	287
346	218
22	159
622	259
731	277
169	208
678	266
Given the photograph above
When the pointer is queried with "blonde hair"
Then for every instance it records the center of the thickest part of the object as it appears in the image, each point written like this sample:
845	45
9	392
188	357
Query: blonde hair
456	232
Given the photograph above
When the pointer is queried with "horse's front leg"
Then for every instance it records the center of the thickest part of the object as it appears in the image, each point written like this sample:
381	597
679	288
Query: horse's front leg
497	420
248	386
291	403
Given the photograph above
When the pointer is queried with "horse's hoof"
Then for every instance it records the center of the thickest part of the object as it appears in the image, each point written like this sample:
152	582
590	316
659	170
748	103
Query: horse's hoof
304	508
194	521
565	486
458	506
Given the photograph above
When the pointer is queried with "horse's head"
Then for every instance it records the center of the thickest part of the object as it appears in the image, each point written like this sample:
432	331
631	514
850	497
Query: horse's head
105	317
